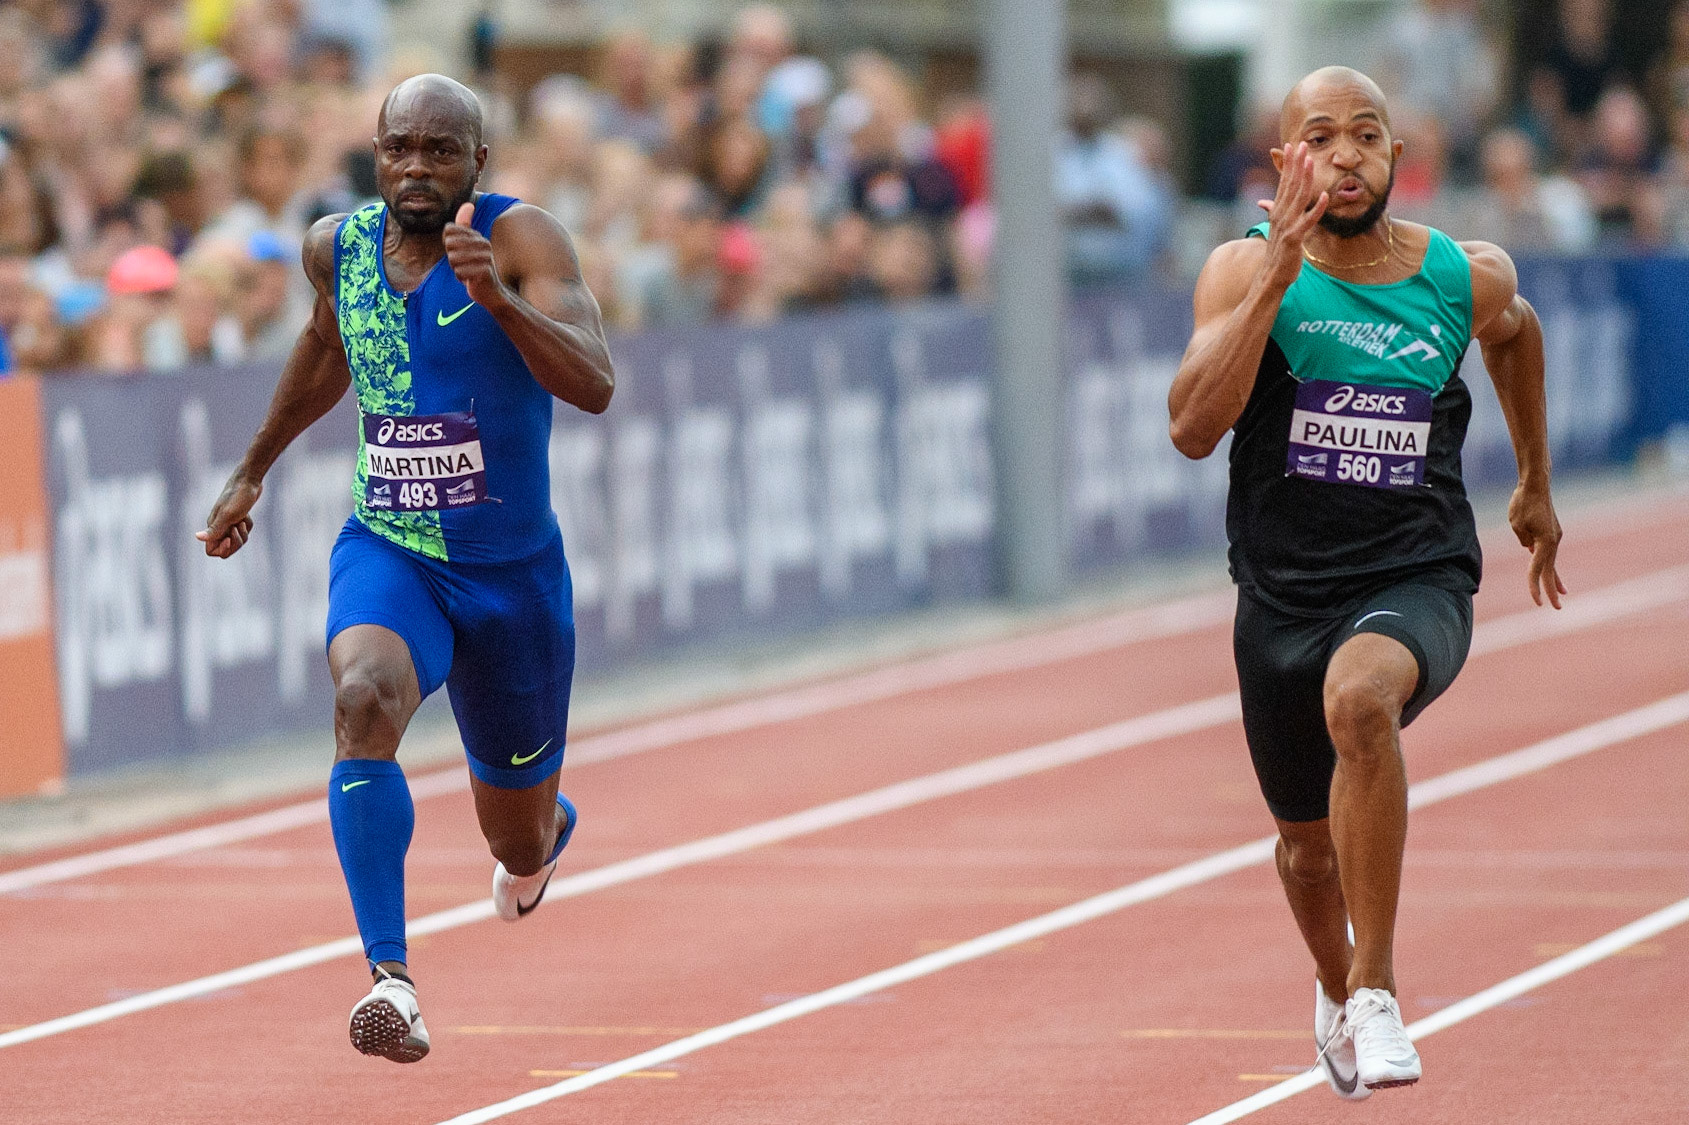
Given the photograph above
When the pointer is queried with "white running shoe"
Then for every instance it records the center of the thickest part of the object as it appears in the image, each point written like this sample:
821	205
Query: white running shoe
515	896
1337	1049
388	1023
1384	1055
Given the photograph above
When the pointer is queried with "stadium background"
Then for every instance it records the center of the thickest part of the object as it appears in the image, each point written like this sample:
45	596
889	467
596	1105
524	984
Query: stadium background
787	215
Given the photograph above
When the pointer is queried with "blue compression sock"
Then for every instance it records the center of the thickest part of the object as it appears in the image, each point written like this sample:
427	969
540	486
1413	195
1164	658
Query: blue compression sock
369	807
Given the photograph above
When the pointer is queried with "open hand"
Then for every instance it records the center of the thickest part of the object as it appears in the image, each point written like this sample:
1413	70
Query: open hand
230	524
1531	513
471	258
1294	211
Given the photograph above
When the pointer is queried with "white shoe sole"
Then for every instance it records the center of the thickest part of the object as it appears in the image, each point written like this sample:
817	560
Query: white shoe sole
378	1028
1391	1081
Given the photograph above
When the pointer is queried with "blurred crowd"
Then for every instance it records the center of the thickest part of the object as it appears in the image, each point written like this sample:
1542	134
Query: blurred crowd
160	161
1574	151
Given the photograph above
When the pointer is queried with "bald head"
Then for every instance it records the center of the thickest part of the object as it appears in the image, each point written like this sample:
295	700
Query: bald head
442	104
1310	97
428	151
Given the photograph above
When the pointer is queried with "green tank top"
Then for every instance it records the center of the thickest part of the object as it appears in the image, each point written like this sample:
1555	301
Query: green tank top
1345	463
1408	333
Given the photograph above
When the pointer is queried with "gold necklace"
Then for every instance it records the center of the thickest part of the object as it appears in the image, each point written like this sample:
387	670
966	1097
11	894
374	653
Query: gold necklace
1389	234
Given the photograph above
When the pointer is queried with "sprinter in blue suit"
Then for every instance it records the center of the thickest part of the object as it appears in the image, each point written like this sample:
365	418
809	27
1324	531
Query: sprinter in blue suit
458	316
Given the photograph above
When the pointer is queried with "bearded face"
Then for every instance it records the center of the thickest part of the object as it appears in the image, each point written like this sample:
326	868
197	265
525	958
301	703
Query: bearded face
1352	226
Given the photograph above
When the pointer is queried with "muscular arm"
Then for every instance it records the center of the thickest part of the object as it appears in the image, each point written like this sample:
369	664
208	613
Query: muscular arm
1510	336
1237	299
312	381
1236	303
537	296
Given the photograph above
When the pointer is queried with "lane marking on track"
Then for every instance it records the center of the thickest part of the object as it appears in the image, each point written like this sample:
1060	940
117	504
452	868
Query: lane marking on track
633	1074
1660	715
1015	654
518	1030
1208	1033
1172	722
1598	607
1495	996
1154	727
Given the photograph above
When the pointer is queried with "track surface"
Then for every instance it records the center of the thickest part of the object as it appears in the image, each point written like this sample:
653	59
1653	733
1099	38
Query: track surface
1163	1011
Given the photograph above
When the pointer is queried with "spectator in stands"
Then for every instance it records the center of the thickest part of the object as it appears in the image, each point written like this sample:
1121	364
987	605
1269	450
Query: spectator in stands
1672	183
893	174
271	159
1116	221
168	179
626	98
1668	77
962	143
270	318
204	311
687	288
566	126
1437	59
1520	209
136	329
736	166
843	276
1616	168
1583	58
903	261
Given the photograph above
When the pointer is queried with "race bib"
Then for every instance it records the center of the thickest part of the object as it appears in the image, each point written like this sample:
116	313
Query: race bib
423	463
1356	434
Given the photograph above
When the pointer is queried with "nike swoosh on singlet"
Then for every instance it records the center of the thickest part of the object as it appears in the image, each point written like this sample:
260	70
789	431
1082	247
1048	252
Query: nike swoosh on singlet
518	760
353	784
442	319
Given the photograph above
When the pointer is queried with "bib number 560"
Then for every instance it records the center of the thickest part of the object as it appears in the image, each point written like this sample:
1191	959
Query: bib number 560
1359	468
418	496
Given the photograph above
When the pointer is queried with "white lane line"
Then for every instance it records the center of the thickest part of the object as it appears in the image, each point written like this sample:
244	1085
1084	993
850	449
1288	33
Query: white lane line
1660	715
1157	725
1169	619
1171	722
1597	607
1584	956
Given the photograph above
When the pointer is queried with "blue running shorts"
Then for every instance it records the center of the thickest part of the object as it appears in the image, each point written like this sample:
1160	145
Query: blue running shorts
500	636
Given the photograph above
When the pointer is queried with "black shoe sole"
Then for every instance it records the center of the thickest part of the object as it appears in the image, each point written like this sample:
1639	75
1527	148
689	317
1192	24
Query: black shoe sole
380	1029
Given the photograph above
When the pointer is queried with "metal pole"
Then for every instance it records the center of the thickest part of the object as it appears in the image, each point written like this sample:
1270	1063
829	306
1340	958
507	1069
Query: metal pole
1025	66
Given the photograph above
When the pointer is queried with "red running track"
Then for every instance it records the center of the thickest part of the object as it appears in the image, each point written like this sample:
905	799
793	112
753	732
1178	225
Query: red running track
1161	1011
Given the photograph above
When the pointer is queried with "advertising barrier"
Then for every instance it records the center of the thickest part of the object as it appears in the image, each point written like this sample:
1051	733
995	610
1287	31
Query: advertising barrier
747	481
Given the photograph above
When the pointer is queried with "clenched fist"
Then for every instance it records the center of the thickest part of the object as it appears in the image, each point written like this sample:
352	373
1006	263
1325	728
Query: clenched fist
471	258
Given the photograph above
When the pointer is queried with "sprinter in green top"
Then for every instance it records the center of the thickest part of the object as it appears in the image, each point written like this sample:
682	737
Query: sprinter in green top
1329	342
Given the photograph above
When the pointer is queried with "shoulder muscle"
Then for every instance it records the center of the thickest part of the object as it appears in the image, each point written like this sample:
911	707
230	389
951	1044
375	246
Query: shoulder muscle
1495	284
1226	278
535	243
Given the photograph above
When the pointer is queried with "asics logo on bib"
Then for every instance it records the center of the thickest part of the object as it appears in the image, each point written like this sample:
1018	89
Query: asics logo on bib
414	431
1365	403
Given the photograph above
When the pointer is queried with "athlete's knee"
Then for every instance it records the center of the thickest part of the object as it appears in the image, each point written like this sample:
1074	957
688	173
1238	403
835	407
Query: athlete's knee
1307	858
1362	709
368	711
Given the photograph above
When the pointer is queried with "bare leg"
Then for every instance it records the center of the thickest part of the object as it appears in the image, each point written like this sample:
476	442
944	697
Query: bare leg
1368	682
521	825
375	695
1307	866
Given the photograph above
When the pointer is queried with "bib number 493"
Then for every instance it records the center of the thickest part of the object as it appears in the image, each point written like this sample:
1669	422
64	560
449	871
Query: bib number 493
418	495
1359	468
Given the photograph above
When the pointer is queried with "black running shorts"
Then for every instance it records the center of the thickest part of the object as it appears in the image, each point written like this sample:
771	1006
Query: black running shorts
1281	663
